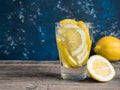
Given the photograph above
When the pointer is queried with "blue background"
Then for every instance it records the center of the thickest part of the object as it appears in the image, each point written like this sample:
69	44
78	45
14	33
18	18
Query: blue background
27	26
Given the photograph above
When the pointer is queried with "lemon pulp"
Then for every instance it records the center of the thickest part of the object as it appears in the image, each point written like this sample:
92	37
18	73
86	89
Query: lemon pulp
101	68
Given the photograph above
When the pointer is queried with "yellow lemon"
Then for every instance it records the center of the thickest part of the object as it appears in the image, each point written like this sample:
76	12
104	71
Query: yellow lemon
100	68
109	47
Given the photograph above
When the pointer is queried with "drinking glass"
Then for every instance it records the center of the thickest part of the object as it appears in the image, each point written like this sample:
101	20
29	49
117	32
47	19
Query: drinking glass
67	71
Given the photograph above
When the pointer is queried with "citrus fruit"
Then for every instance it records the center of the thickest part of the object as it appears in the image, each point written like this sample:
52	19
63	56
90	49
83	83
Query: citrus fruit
76	43
100	68
82	25
67	60
68	21
109	47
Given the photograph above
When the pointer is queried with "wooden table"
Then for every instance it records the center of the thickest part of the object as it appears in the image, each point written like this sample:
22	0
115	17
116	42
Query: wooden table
45	75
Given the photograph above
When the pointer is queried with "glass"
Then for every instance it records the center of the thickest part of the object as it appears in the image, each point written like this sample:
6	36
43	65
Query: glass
67	71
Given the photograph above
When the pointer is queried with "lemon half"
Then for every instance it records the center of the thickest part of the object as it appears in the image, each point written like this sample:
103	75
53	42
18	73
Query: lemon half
100	68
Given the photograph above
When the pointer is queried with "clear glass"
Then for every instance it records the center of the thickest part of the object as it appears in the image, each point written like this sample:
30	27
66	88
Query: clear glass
69	72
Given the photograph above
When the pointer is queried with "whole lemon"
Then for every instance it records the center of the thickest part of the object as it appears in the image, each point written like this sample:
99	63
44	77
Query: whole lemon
108	47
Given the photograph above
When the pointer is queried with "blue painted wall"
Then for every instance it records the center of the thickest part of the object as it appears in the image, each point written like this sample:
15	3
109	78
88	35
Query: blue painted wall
27	26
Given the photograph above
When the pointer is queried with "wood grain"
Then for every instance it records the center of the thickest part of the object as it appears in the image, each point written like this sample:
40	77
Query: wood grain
45	75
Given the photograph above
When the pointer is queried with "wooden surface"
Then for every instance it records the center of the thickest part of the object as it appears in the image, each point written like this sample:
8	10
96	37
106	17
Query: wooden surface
33	75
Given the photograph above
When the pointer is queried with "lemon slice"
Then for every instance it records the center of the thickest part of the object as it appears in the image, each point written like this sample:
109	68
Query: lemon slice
67	60
84	59
100	68
83	53
61	54
82	25
74	38
68	21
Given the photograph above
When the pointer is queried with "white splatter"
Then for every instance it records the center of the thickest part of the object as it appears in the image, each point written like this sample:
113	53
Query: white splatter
38	11
22	30
61	8
6	52
35	16
9	38
42	41
12	43
42	33
26	53
9	17
21	17
87	6
79	3
20	2
39	29
33	51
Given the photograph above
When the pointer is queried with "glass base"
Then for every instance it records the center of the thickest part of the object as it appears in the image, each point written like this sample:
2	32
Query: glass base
74	73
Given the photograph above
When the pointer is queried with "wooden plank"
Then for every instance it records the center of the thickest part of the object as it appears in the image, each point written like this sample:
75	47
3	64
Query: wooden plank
34	75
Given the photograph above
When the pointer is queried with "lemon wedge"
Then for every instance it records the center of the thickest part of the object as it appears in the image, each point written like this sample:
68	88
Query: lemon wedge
100	68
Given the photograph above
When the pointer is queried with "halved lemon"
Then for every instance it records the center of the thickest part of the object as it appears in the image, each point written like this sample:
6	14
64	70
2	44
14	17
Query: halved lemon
100	68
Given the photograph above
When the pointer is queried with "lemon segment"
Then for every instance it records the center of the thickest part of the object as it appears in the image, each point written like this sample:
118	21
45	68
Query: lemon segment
100	68
62	53
81	36
84	59
65	56
83	53
68	21
82	25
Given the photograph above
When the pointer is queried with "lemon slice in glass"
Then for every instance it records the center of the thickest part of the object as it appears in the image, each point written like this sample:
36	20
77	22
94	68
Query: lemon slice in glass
75	38
66	58
68	21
